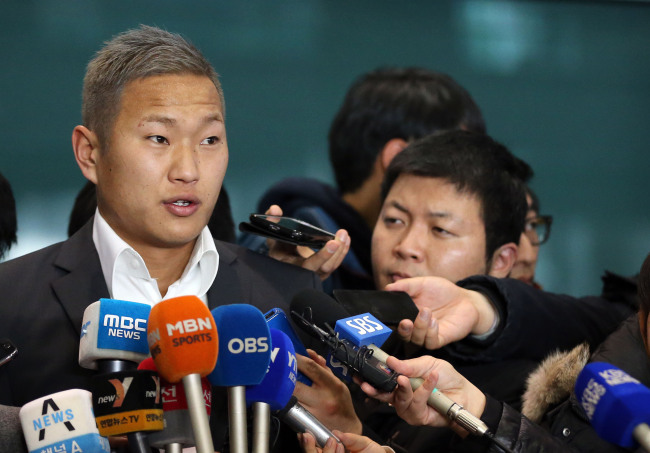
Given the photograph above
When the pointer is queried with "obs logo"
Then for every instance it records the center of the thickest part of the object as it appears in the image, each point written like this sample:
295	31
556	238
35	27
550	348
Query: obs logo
248	345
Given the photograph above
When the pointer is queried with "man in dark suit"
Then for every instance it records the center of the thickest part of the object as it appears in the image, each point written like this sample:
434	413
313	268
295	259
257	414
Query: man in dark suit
153	141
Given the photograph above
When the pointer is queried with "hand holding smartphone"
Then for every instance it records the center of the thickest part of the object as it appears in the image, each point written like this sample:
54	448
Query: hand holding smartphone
287	229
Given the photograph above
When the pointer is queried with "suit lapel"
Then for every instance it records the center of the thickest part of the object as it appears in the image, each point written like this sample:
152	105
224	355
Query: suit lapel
84	282
227	288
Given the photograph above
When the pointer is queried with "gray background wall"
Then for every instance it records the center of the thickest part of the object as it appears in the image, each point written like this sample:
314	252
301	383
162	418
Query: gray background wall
564	84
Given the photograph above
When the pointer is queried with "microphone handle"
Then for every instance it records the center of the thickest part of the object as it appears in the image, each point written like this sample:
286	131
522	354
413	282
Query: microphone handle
301	420
198	414
261	427
237	417
642	435
138	442
174	448
442	404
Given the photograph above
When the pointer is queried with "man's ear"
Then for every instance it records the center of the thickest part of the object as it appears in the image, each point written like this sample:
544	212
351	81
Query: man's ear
86	148
391	149
503	259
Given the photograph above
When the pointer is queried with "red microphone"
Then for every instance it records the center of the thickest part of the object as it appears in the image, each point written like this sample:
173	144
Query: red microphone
183	342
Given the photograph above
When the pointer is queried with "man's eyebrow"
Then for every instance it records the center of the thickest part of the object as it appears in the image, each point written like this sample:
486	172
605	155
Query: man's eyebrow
212	118
167	121
399	207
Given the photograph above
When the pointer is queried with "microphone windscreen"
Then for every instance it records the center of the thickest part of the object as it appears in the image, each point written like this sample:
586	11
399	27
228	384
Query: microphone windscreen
362	330
317	307
113	330
277	386
127	401
182	338
614	401
62	421
178	422
244	346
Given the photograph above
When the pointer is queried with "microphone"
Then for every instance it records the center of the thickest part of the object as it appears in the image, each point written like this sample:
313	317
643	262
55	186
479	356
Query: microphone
275	390
301	420
618	405
127	402
277	319
63	421
244	355
177	432
370	361
113	340
183	341
113	335
359	360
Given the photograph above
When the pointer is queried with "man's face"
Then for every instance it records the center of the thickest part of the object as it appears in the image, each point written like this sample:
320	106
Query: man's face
527	253
428	228
159	180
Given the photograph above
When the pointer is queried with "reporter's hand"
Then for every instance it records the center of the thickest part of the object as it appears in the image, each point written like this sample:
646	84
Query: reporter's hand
448	312
328	399
412	405
350	442
323	262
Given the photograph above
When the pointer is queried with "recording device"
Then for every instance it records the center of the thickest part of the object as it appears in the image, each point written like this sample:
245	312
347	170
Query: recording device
390	307
617	405
113	340
275	390
276	319
7	350
63	421
324	311
177	433
183	341
301	420
244	355
287	229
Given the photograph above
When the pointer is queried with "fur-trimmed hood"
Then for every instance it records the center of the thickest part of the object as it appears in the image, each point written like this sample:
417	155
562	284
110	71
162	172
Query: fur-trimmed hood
553	381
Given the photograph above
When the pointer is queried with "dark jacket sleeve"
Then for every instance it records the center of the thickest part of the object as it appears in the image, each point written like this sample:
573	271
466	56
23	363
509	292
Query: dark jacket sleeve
534	322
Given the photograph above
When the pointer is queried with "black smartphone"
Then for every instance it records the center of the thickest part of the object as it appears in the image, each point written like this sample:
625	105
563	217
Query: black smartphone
287	229
7	350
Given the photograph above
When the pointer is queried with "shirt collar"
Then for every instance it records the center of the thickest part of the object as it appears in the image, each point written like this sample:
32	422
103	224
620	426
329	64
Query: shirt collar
114	253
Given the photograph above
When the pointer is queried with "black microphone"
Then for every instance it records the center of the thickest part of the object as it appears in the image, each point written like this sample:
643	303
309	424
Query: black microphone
311	308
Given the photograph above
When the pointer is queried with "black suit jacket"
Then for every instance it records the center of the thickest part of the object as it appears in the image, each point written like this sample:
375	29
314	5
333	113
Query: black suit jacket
44	295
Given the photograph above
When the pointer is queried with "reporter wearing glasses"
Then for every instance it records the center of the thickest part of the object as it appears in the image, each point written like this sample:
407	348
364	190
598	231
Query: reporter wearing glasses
536	232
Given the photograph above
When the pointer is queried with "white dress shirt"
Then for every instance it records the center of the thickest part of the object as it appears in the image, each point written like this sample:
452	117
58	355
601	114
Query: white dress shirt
128	278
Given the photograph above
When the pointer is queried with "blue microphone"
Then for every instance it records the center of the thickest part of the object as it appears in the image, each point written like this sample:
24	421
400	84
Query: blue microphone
244	355
275	390
277	386
277	319
618	405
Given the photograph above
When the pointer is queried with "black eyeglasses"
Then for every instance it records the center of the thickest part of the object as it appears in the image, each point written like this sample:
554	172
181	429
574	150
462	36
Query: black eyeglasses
538	229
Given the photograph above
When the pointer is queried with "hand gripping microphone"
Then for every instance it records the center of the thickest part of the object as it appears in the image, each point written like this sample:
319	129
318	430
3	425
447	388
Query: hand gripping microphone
113	341
244	355
63	422
183	342
370	361
177	433
618	406
275	390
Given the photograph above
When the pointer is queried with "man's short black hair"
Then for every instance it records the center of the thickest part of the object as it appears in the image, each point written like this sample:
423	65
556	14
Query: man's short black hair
388	103
477	165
